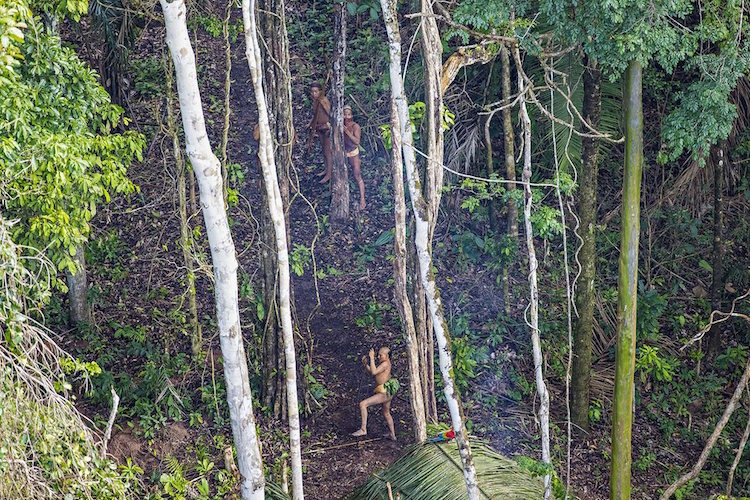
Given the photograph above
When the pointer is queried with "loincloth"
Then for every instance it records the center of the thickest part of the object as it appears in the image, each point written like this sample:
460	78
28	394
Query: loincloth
380	389
352	153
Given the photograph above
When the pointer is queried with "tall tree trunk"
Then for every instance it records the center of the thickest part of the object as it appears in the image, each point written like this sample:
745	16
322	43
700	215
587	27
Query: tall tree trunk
432	49
339	173
400	295
227	92
208	173
581	369
421	213
425	342
78	291
275	204
536	347
627	286
196	340
277	86
490	168
510	169
717	282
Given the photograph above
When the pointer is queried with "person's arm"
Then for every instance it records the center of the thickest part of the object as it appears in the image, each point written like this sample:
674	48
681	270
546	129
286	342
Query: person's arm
355	135
366	365
380	369
372	368
326	106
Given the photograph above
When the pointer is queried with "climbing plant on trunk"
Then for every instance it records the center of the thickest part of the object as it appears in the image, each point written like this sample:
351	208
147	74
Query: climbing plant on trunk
277	86
339	173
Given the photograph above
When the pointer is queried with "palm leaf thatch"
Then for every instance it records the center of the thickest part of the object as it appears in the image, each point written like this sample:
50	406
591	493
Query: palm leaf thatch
433	471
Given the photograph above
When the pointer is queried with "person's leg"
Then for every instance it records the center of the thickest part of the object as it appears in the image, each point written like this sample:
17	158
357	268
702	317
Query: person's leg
389	419
372	400
356	166
325	141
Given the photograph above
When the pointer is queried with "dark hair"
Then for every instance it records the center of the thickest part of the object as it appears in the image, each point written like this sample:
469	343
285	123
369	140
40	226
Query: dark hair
316	85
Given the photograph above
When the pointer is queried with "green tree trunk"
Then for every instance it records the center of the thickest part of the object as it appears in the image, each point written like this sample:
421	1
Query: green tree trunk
510	170
627	284
581	369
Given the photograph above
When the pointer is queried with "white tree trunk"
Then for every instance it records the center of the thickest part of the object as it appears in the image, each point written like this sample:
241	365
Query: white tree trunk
421	213
533	321
399	290
208	172
275	207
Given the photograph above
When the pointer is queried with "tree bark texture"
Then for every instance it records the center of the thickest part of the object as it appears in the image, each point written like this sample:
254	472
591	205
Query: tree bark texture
208	174
227	93
533	320
432	50
277	86
400	296
186	241
78	288
509	142
717	282
585	294
627	287
339	173
275	204
421	213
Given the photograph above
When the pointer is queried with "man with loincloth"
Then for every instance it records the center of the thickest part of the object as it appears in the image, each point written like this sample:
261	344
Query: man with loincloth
320	127
352	135
382	374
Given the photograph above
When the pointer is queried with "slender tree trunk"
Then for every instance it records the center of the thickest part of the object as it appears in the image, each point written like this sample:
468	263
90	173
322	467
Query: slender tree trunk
227	90
277	86
581	369
196	340
208	173
339	173
275	204
78	291
717	282
510	170
421	213
399	291
541	386
490	169
424	341
432	49
622	419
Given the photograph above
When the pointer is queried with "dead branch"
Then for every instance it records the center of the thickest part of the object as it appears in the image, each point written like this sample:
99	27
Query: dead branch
737	457
723	316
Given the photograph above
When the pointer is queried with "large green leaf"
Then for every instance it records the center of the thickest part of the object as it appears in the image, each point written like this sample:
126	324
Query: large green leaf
433	471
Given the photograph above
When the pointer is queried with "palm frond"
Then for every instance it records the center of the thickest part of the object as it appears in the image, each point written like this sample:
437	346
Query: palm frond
430	471
274	492
570	92
461	145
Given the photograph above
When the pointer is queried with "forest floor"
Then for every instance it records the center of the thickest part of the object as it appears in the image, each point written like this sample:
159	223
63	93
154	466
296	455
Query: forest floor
352	284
